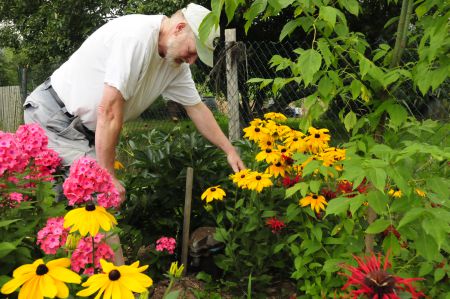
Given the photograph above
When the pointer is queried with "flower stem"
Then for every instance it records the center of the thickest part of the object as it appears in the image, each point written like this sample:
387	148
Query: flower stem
168	288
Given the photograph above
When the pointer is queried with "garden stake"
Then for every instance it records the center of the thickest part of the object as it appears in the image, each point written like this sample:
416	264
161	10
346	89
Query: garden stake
187	216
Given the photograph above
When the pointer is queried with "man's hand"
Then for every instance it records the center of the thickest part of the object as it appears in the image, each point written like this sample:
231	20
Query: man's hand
208	127
235	161
120	188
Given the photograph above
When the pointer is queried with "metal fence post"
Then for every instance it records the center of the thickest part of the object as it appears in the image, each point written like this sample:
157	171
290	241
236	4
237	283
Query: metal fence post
232	85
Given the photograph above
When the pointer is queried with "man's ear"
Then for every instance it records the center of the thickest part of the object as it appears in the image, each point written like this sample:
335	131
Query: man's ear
180	27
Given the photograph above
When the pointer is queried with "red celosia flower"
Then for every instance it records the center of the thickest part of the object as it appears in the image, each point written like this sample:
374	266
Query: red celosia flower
374	282
275	224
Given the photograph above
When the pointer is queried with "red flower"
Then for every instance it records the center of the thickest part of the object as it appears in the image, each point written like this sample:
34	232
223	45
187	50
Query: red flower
328	193
375	282
275	224
289	182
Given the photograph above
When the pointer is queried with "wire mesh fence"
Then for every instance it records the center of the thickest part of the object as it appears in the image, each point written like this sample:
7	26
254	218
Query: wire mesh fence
252	60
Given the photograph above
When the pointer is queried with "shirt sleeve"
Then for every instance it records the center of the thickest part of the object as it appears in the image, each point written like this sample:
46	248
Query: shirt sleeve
182	89
124	65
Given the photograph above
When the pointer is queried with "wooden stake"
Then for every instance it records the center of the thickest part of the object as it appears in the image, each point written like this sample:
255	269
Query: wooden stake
187	217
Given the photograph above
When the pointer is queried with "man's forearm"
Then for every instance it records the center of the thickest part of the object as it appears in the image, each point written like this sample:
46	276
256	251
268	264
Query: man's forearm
208	127
109	125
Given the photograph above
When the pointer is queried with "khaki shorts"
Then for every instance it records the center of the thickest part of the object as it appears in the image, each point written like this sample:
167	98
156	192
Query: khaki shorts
63	137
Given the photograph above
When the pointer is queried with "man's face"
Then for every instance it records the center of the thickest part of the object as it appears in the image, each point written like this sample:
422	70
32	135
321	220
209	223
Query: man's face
181	47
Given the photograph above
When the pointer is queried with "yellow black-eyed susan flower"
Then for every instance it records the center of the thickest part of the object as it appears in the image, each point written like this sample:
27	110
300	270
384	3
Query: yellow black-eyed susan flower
258	181
277	169
39	279
317	140
276	116
420	192
89	219
269	155
317	202
213	193
240	178
395	192
255	133
295	141
118	282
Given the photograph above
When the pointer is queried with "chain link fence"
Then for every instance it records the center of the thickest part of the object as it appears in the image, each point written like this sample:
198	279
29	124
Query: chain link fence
252	60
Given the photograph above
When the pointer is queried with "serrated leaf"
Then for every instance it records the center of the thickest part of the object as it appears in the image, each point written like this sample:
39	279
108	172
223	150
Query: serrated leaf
378	226
355	88
325	86
209	22
288	28
257	7
377	201
328	14
338	206
410	216
309	63
350	121
425	268
314	186
397	114
230	8
378	177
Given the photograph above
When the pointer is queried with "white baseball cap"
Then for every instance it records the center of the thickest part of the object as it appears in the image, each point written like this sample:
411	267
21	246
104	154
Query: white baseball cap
194	15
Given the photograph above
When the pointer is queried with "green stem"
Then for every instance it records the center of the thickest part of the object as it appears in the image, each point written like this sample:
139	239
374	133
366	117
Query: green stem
93	254
168	288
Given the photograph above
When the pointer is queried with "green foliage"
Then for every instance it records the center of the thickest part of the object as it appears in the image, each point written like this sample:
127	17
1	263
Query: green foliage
156	180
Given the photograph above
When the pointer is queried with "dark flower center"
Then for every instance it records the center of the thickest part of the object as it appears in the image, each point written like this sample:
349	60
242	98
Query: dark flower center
90	207
242	176
41	269
213	189
278	164
295	139
317	136
258	177
269	143
380	282
314	196
257	129
114	275
268	150
283	150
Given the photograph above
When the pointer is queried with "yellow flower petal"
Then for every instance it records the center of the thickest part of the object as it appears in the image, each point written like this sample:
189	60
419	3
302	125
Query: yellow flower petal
62	262
47	286
63	290
65	275
15	283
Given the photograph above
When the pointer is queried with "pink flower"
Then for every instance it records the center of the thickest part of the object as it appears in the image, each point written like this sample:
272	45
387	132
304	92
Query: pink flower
166	243
88	181
52	236
81	259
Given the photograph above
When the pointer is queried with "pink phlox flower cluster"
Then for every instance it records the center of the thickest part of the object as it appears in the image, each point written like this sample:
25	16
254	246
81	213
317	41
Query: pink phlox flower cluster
166	243
11	158
81	260
27	147
32	139
53	235
87	179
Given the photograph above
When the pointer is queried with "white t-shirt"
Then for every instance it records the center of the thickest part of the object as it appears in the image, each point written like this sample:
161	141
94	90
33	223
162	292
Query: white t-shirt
122	53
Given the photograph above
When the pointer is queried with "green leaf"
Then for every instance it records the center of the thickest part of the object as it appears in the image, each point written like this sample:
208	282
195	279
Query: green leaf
378	177
410	216
324	49
278	248
427	247
328	14
364	65
338	206
350	121
314	186
325	86
6	248
288	28
311	167
435	228
230	8
317	232
257	7
351	5
209	22
355	88
332	265
309	63
173	295
377	201
439	185
378	226
439	273
425	268
397	114
8	222
357	202
390	243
